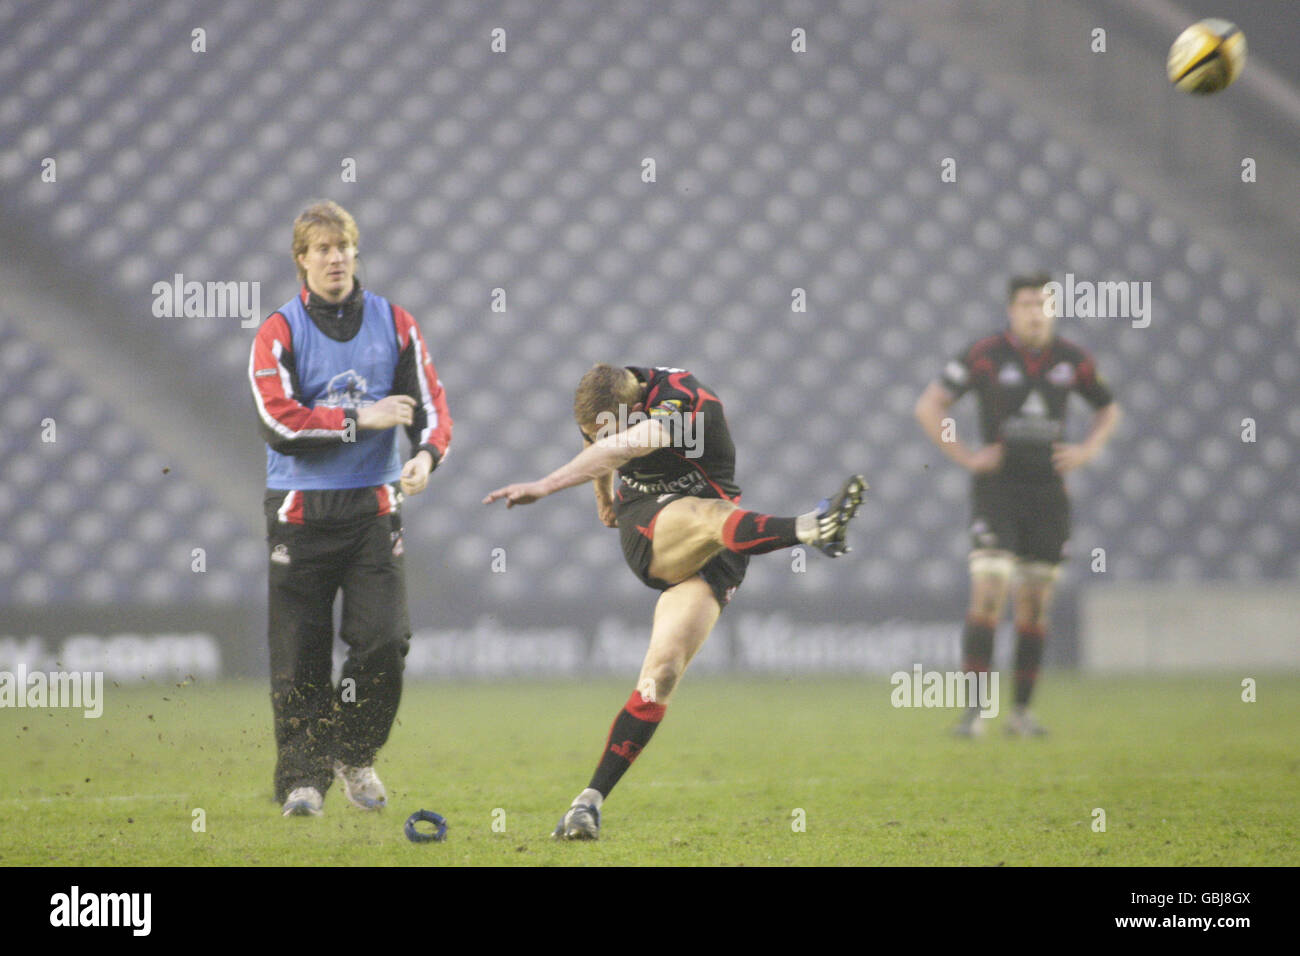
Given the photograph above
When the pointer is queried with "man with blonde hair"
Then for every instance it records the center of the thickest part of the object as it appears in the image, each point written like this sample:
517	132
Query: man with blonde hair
334	371
677	510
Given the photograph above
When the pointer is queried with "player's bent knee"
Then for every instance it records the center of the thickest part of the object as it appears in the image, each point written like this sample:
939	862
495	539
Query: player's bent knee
688	533
694	510
710	516
717	508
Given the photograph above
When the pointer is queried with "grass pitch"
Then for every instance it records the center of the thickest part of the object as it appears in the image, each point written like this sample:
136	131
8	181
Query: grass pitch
1186	772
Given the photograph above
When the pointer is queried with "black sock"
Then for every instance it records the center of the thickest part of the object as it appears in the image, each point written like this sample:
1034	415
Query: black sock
628	736
976	646
1029	655
748	532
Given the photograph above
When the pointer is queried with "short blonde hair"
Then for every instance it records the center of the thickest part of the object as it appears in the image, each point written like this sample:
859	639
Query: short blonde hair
603	389
325	214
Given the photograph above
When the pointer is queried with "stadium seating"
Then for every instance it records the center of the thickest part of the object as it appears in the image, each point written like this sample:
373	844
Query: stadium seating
522	170
91	513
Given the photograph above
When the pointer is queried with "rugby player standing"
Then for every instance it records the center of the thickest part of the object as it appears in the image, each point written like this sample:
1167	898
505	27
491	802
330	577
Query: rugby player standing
683	532
1020	514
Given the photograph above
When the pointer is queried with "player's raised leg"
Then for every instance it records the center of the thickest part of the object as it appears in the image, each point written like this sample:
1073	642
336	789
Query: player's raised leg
684	616
990	582
1035	584
689	532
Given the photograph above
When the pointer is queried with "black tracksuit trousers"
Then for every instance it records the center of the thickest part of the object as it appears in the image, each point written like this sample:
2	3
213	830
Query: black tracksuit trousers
316	722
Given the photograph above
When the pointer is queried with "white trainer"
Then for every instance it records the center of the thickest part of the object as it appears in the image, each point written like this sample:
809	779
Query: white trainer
304	802
580	822
970	725
1021	723
362	788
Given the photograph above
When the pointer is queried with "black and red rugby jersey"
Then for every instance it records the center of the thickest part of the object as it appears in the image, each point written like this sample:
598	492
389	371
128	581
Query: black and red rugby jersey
1023	396
699	458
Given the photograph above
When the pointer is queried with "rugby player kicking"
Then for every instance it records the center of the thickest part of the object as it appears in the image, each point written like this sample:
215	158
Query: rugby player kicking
683	532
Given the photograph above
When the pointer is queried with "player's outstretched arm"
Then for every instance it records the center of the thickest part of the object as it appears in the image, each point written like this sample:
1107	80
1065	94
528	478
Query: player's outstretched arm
597	460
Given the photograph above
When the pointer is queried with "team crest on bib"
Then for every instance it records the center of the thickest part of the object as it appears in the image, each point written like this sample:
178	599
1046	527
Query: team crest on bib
1061	375
1010	375
346	388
